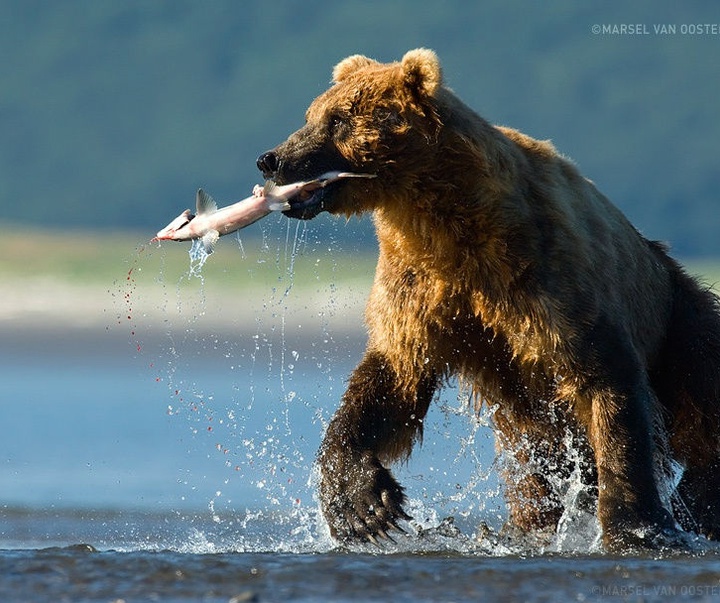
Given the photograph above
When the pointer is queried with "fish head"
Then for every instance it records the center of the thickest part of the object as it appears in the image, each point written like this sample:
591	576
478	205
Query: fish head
178	229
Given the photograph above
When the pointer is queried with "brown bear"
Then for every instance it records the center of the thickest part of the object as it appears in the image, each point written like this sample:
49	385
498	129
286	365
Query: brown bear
501	265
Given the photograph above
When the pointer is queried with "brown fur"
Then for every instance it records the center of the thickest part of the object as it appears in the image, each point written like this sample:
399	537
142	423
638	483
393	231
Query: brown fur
500	264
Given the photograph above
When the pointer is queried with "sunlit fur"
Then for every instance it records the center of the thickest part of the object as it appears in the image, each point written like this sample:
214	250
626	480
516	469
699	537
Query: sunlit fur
502	265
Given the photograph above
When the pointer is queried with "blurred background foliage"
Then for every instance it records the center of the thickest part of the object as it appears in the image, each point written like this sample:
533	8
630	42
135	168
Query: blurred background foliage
113	112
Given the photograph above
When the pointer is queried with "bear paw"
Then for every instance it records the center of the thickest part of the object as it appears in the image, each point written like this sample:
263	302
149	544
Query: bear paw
647	538
361	500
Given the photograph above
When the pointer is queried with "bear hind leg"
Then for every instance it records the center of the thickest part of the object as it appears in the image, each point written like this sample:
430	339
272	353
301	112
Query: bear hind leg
696	503
540	460
687	379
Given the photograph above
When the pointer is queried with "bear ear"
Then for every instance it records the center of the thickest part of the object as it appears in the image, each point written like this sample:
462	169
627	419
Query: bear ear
422	72
350	65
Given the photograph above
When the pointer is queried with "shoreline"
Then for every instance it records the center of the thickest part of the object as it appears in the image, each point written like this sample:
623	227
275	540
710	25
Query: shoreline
46	317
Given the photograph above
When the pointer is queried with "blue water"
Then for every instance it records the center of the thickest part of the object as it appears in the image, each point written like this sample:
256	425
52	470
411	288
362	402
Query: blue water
208	427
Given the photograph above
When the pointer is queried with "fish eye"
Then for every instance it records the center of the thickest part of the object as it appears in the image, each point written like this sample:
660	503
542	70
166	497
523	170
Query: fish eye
188	217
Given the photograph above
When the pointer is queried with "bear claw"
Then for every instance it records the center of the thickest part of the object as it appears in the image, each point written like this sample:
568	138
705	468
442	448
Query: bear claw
363	504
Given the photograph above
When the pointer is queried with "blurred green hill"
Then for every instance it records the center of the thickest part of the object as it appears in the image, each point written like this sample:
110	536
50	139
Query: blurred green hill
113	113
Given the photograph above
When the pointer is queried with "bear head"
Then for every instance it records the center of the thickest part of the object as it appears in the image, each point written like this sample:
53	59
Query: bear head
377	118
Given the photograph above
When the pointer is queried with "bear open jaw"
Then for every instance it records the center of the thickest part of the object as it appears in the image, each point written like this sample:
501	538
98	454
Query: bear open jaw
310	199
308	202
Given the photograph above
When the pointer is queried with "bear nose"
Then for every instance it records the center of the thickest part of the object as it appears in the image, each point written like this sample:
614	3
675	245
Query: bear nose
268	163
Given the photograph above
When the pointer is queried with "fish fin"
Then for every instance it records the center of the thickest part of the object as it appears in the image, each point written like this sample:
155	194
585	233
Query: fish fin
209	239
267	190
205	203
268	187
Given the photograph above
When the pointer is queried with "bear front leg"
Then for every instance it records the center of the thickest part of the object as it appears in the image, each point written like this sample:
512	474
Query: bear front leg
378	421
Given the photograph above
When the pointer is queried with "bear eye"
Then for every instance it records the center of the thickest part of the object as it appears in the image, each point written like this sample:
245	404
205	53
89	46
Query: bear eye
388	117
383	114
339	126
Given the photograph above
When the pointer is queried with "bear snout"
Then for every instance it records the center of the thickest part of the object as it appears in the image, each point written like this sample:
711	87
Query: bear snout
268	163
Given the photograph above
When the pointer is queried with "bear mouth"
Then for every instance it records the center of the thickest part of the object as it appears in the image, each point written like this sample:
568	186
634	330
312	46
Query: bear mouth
315	196
308	202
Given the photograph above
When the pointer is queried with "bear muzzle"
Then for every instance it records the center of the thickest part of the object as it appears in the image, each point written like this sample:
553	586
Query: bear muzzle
310	201
303	206
268	163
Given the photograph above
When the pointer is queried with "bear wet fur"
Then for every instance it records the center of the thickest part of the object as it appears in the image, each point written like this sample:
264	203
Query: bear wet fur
501	265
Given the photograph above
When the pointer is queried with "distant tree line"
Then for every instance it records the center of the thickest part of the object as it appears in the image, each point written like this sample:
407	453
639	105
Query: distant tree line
113	113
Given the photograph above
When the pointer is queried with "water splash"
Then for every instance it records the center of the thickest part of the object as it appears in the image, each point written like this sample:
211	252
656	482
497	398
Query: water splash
264	429
578	529
198	257
265	451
